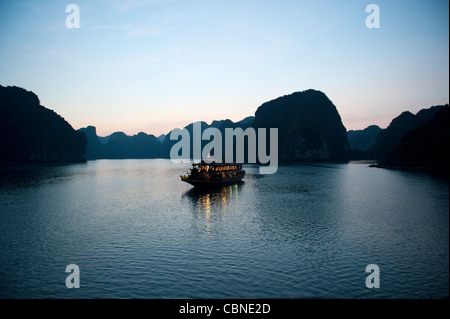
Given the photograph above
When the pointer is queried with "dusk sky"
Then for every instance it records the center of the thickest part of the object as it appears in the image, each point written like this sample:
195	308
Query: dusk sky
153	65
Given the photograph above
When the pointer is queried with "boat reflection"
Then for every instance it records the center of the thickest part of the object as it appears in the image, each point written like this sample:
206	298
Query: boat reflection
213	199
210	204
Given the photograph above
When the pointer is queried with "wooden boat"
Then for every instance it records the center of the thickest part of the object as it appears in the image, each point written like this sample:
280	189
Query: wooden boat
214	174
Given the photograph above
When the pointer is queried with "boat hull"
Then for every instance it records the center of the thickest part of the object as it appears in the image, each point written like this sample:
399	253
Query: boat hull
215	182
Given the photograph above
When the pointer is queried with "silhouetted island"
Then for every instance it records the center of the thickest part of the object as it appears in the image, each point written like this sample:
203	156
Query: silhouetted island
31	133
388	138
424	147
119	145
363	139
309	127
221	125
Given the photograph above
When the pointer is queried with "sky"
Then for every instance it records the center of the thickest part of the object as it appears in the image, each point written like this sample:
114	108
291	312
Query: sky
154	65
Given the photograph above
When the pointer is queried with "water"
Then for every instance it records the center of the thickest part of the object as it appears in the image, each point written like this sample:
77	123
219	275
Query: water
136	231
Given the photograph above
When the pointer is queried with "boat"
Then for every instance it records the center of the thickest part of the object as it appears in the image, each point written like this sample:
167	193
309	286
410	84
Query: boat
214	174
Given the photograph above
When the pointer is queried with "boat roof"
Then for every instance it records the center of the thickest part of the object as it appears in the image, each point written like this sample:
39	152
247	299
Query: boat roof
215	164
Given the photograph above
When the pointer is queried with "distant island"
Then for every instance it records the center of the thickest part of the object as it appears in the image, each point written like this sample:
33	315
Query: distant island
400	126
309	125
424	146
411	141
119	145
310	129
31	133
363	139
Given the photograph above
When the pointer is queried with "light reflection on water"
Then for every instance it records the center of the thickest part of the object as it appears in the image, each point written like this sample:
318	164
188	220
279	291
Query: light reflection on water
211	204
136	231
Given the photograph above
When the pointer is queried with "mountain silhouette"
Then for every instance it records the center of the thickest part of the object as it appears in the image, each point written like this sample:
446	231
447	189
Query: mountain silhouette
309	127
363	139
30	133
119	145
161	138
423	147
95	149
141	145
388	138
221	125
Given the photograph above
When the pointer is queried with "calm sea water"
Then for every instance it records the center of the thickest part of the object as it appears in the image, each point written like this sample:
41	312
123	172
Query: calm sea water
136	231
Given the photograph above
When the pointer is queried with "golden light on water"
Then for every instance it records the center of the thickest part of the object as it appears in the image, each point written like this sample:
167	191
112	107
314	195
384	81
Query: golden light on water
212	205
